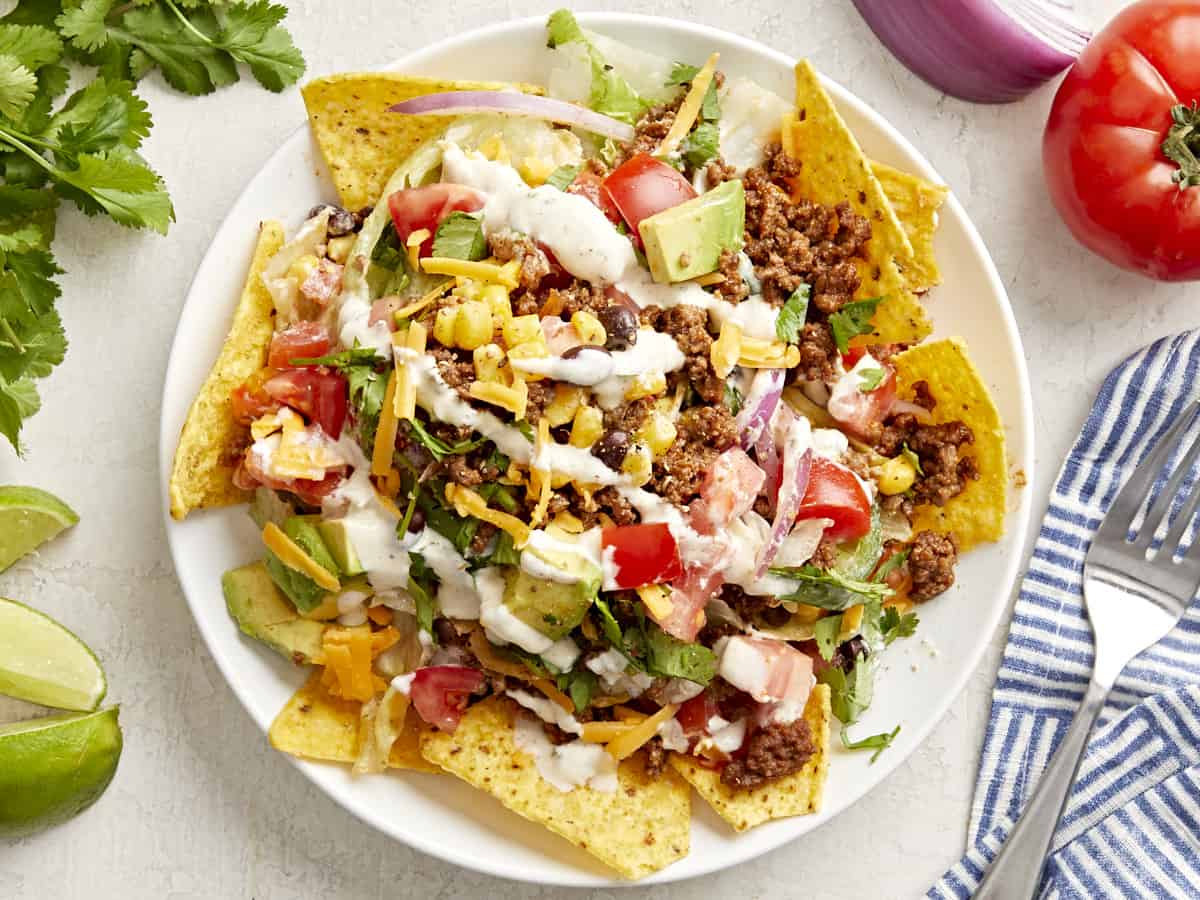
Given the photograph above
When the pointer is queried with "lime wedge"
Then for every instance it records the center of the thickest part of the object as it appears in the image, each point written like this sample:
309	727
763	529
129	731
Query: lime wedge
54	768
28	518
42	662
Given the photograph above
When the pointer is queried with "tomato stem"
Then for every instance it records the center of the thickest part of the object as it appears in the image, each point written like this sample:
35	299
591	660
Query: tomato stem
1182	144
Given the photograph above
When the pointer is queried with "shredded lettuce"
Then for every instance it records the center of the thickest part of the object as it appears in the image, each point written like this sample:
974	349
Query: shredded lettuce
608	91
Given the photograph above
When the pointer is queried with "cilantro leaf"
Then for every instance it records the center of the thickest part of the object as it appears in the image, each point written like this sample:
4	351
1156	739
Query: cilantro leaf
17	86
889	565
33	46
828	589
422	599
609	624
681	73
877	742
913	459
701	145
580	685
672	658
438	448
562	177
869	379
892	625
852	320
460	236
792	315
733	398
850	692
825	633
505	553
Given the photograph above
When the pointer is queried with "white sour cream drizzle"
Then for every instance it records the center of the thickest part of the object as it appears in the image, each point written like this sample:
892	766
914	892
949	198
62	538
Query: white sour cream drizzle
566	766
546	710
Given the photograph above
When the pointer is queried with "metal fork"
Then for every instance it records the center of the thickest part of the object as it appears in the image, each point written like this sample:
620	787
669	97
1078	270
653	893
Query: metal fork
1135	591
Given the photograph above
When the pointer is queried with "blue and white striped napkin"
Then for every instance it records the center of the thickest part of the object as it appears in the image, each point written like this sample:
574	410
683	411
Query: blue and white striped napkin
1132	824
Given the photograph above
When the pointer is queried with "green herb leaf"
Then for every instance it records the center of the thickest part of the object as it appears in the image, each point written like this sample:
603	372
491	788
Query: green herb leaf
460	236
869	380
892	625
889	565
852	320
502	494
877	742
459	530
850	693
681	73
610	93
424	602
562	177
701	145
581	685
525	428
792	315
913	459
825	633
346	359
828	589
609	624
670	657
506	553
733	398
438	448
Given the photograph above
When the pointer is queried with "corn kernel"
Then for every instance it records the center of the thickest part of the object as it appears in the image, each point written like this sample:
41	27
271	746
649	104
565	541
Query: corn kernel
496	297
494	148
443	325
639	464
589	328
487	361
302	267
338	248
535	170
646	385
587	427
467	288
565	403
726	349
895	476
658	433
473	325
522	330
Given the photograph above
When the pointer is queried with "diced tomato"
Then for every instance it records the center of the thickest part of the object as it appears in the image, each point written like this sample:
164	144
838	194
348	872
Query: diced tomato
695	714
642	186
590	186
860	410
440	693
834	493
788	672
642	554
250	400
730	488
425	207
323	283
304	340
689	596
248	476
320	395
852	356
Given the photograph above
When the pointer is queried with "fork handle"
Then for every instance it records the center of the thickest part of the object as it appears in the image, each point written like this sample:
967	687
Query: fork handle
1017	869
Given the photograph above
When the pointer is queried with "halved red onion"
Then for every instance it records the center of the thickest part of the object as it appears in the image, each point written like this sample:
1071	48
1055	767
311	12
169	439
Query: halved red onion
514	103
988	51
759	405
796	470
920	413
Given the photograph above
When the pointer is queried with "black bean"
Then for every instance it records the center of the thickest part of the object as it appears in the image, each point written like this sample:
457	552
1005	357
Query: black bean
611	449
341	221
580	349
418	520
621	325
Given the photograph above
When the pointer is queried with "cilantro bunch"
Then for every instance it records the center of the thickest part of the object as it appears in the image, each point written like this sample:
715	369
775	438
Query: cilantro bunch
83	147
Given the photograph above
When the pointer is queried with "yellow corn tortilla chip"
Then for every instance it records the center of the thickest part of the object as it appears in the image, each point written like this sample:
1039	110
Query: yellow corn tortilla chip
835	169
799	794
977	514
202	475
642	827
316	725
916	203
361	141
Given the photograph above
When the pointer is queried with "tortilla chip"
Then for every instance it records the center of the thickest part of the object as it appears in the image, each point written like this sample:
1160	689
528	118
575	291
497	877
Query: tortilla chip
977	514
916	203
796	795
835	169
202	475
317	725
643	827
361	141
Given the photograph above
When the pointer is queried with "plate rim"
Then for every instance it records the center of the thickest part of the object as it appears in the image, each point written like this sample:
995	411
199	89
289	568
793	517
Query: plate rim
1022	456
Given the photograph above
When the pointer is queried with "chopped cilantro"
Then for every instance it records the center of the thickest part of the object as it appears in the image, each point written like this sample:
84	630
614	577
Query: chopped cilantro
852	320
869	379
670	657
681	73
505	553
829	590
892	625
851	692
420	581
579	684
501	493
733	398
525	428
460	236
913	459
701	145
438	448
562	177
877	742
889	565
825	633
790	324
609	624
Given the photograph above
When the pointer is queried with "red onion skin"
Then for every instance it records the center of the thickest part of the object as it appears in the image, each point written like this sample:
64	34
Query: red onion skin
765	391
789	505
970	50
462	102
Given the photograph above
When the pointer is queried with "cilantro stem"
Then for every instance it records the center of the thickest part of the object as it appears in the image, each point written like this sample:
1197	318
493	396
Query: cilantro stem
12	335
188	25
14	138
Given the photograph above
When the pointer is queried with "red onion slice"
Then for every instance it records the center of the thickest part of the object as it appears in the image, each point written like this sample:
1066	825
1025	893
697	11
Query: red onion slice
759	405
920	413
791	492
988	51
513	103
766	454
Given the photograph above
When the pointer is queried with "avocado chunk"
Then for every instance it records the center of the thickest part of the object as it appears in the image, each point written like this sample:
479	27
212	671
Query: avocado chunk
299	588
263	612
556	603
336	536
686	241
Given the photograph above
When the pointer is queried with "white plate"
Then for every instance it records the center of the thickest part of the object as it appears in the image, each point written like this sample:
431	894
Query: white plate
451	820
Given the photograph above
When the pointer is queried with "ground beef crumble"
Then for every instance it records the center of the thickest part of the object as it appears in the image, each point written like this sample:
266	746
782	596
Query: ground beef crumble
456	368
945	470
656	757
535	265
688	325
703	432
772	753
931	564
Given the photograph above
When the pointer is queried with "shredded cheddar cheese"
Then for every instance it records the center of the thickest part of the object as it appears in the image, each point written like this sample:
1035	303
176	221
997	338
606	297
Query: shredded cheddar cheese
293	556
625	745
468	503
604	732
385	434
548	688
690	108
480	271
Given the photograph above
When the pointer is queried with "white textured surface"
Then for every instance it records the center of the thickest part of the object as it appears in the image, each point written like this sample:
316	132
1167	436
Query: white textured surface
201	807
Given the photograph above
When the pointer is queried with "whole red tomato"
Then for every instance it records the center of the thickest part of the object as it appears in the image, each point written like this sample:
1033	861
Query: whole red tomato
1120	150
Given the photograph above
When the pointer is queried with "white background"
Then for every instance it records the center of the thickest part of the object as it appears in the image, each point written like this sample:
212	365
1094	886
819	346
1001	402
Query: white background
201	807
